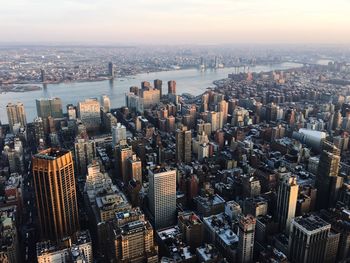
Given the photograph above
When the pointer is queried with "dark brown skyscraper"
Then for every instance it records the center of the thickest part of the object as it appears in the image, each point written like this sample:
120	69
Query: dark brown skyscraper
171	87
158	85
56	199
328	182
183	145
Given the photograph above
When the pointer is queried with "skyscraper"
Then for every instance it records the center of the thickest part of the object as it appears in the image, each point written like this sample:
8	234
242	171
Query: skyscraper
106	103
223	108
308	239
149	97
183	145
89	114
134	166
246	234
327	181
172	87
55	191
16	114
158	85
39	131
49	108
118	134
162	196
84	152
71	112
122	153
111	70
287	196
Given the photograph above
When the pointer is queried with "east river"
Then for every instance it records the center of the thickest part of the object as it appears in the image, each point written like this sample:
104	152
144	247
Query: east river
191	81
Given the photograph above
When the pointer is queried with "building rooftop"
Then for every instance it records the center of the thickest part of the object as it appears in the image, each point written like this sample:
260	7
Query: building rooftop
311	222
51	154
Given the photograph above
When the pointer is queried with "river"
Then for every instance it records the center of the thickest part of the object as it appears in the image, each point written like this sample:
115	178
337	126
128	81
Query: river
191	81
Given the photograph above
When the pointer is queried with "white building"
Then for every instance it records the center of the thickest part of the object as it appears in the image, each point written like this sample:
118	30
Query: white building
162	196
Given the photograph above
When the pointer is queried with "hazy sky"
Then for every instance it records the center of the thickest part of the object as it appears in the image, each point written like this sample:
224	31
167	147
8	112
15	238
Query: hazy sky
175	21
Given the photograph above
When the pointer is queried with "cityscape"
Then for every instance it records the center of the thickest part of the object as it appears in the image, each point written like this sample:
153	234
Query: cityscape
182	151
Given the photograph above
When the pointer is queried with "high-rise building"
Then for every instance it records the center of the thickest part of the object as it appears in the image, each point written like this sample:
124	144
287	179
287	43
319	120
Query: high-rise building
162	196
223	108
111	70
214	119
43	75
328	182
172	87
149	97
183	144
49	108
287	196
15	156
105	103
56	199
118	134
134	168
308	239
71	112
16	115
134	242
39	131
246	235
89	114
192	229
158	85
122	153
84	152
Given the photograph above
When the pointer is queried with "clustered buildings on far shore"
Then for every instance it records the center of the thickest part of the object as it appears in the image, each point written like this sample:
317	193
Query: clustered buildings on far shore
255	170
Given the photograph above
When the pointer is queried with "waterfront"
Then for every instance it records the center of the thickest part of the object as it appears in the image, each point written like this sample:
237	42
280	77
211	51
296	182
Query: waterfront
190	81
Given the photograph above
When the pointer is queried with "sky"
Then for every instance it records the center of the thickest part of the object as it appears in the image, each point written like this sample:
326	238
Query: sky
175	21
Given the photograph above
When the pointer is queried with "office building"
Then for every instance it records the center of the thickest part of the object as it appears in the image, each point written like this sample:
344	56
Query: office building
122	153
49	108
84	152
287	196
134	242
149	97
162	196
89	114
71	112
16	115
39	131
192	229
223	108
15	156
118	134
183	145
172	87
105	103
158	85
111	71
246	236
328	181
56	200
134	168
308	239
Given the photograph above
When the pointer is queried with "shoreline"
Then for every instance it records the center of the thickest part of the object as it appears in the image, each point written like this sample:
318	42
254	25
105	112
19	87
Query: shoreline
122	78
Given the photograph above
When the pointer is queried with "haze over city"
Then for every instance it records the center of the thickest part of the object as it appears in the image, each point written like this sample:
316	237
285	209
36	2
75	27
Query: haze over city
187	131
175	22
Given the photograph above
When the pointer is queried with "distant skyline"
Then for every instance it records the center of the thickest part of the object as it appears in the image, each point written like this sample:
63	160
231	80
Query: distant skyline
175	21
